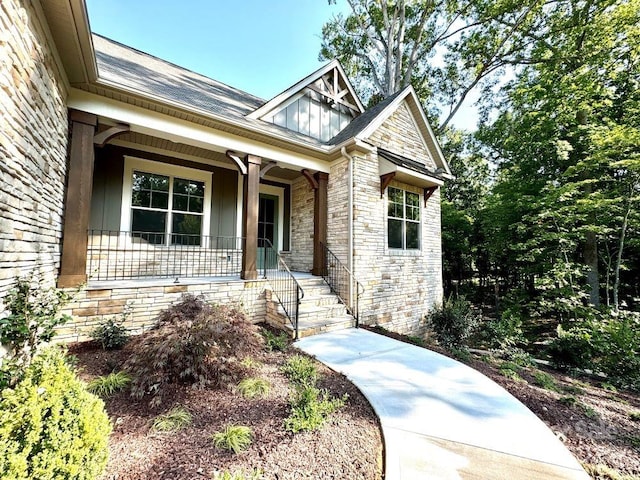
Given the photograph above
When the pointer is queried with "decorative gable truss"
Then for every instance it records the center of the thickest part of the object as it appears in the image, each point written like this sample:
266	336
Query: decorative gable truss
319	106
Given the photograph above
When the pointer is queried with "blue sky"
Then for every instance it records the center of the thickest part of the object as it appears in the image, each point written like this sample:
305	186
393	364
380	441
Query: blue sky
260	46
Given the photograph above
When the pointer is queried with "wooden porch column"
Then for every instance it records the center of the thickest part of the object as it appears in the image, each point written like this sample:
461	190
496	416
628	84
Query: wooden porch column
320	223
250	201
73	262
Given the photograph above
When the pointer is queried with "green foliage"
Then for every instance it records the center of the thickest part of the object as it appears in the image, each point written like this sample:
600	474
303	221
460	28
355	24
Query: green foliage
254	387
255	474
236	438
34	313
175	419
310	407
504	333
568	400
575	347
111	334
275	343
635	416
453	322
192	342
107	385
544	380
300	370
50	426
511	370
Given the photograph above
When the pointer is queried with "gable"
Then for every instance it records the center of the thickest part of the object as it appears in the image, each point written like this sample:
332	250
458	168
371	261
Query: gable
319	106
400	134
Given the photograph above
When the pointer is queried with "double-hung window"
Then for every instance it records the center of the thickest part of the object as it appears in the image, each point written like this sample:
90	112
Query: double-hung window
403	219
167	205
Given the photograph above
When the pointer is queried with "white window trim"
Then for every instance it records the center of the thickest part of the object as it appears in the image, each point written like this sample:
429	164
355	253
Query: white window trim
277	192
132	164
402	251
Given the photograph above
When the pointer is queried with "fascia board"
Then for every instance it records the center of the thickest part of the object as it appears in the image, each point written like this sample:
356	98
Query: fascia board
181	131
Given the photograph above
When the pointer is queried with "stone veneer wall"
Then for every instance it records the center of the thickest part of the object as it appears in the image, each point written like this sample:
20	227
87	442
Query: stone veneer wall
399	134
301	257
400	286
338	210
33	147
146	299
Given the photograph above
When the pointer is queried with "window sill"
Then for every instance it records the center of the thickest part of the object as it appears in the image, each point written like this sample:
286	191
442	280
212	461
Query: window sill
403	253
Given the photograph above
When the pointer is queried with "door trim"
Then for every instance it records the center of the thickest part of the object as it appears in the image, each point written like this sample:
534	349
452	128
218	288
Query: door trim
277	192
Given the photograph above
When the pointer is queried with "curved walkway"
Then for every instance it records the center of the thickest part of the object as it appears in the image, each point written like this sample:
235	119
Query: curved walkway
441	419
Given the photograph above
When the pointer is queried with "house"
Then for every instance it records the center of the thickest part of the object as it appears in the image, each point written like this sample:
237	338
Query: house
144	180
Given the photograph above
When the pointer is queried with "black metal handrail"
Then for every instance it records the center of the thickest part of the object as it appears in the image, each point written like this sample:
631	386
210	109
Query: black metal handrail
117	255
283	284
339	278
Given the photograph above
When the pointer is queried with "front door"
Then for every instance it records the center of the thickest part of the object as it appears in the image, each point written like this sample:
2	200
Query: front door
268	229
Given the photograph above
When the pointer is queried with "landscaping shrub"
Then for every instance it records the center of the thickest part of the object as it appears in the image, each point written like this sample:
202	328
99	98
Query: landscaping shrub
51	427
192	342
310	407
108	385
111	334
254	387
453	322
504	333
300	370
273	342
236	438
255	474
34	313
574	347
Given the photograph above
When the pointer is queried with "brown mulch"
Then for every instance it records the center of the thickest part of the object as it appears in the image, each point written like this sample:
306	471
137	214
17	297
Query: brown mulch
348	446
596	424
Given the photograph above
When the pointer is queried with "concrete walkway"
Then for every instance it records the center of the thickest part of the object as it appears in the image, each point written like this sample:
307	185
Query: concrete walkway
441	419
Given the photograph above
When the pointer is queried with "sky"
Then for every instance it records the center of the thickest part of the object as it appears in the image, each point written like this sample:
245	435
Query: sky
259	46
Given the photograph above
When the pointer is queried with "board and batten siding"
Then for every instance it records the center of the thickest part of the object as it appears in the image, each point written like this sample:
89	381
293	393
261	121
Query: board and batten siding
106	201
310	116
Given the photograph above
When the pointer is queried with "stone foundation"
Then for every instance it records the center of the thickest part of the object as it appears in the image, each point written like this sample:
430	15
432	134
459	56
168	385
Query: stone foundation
144	300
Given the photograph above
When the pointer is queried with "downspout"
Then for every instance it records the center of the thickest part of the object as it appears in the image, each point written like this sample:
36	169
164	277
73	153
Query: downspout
344	153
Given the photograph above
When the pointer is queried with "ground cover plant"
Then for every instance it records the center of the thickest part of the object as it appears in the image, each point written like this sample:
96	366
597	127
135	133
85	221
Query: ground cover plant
348	444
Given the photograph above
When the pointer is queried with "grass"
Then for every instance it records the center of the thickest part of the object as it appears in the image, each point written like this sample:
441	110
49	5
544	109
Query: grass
254	387
110	384
174	420
236	438
310	407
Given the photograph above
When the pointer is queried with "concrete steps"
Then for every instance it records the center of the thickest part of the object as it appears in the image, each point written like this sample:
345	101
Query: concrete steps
319	311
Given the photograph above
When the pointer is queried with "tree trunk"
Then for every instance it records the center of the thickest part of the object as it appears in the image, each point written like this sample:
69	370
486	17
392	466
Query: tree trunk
591	260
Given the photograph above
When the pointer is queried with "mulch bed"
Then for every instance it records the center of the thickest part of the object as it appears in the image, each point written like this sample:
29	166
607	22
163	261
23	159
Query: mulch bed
349	445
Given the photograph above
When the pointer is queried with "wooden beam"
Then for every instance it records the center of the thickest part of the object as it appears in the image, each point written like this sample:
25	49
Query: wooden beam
320	218
251	200
266	168
73	261
233	156
385	180
310	178
428	191
101	139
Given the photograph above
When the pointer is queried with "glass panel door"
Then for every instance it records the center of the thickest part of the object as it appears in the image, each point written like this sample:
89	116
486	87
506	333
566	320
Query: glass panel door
267	228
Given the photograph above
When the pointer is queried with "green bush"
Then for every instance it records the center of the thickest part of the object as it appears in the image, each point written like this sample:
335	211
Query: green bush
192	342
51	427
111	334
310	407
453	322
575	347
300	370
273	342
504	333
34	313
236	438
544	380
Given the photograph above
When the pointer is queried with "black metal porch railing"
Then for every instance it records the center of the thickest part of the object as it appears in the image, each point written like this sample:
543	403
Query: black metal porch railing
340	279
283	284
116	255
